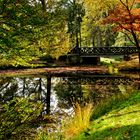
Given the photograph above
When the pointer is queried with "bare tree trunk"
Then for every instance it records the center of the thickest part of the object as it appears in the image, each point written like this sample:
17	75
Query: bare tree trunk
77	41
107	38
93	42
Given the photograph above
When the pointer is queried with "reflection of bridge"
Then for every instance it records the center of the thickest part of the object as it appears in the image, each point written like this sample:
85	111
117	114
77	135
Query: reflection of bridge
103	80
103	51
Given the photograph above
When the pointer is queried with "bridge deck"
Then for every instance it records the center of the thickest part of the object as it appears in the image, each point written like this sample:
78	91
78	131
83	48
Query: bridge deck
103	51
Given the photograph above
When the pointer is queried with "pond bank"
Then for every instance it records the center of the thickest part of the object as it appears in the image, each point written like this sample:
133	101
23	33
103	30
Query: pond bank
57	71
131	65
120	120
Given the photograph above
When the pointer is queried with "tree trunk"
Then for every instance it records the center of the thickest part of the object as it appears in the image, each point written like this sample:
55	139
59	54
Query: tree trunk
139	57
99	37
137	44
107	38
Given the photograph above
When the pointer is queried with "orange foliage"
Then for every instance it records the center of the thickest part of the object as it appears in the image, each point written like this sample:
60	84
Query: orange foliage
125	16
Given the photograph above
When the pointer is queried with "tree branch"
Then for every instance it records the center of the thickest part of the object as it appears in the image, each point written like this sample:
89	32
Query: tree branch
129	38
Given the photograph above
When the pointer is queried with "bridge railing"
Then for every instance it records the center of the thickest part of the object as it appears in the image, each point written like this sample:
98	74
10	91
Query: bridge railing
104	50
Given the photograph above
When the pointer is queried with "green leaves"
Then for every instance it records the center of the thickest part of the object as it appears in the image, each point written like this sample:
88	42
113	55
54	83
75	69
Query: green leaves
17	116
24	25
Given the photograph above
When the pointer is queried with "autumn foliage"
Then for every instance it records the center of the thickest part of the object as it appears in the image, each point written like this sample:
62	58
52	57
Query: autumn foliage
126	15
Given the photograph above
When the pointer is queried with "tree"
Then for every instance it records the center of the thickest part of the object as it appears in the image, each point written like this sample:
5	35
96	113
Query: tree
74	18
30	29
94	31
126	18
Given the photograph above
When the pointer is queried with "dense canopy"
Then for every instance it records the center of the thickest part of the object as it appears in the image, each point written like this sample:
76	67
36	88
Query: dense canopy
31	29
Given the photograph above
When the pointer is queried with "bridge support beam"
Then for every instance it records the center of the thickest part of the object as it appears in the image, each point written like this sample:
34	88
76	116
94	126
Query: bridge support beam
74	60
79	60
91	60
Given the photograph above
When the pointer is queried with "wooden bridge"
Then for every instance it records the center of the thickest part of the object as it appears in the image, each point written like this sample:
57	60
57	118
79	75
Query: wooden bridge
103	51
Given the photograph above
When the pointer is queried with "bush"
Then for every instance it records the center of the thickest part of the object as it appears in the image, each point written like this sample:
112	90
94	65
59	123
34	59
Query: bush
47	58
17	117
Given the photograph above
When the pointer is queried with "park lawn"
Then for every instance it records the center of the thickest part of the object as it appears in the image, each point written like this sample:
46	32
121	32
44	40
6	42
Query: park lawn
122	122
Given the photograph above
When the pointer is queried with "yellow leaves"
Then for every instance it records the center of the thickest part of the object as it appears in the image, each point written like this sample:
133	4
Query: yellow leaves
60	44
98	7
6	27
60	47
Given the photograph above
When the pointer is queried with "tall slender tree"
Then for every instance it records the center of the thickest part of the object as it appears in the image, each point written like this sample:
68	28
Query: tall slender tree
74	18
98	34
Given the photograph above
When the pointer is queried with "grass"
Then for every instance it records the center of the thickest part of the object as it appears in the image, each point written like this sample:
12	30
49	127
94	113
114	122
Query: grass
119	122
132	64
72	126
108	61
79	122
113	119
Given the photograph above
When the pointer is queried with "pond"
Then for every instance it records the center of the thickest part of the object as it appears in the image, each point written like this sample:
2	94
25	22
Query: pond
59	94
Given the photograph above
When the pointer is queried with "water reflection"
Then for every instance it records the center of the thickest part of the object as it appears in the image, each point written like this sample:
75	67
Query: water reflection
63	92
55	96
25	87
91	89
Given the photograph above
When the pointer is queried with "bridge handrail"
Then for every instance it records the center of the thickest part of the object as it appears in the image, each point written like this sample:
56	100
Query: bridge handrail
104	50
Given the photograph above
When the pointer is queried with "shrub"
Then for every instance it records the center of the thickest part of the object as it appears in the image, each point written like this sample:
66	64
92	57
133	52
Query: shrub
17	117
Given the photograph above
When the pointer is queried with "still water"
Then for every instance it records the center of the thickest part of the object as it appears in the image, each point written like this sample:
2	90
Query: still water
59	94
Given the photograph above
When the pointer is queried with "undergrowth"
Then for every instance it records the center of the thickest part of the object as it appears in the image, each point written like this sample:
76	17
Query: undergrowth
116	118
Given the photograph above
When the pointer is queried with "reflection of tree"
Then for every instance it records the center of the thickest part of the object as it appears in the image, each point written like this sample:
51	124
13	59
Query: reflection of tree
71	90
8	89
68	90
68	93
25	87
37	87
31	86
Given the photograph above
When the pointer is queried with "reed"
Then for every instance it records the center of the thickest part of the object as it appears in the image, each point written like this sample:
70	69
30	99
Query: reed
79	122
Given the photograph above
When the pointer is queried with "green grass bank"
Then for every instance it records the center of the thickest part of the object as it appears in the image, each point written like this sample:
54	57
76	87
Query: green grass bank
117	120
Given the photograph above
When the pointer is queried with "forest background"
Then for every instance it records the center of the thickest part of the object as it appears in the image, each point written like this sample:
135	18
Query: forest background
31	29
